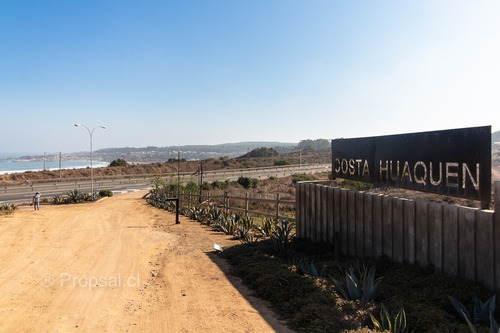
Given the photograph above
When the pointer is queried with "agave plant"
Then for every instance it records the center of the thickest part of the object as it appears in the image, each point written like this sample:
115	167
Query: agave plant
226	224
267	227
494	328
309	268
364	286
74	196
57	199
214	215
390	322
88	196
481	312
282	236
9	207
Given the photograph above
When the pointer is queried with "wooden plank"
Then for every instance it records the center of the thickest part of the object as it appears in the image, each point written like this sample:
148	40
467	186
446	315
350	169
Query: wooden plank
450	240
484	249
436	236
466	248
387	226
359	224
409	230
298	209
368	224
330	225
422	233
397	230
336	215
351	222
303	210
324	214
307	200
317	221
312	218
377	225
496	233
344	222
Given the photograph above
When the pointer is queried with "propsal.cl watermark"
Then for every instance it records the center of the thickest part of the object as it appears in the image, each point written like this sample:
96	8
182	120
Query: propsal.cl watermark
91	281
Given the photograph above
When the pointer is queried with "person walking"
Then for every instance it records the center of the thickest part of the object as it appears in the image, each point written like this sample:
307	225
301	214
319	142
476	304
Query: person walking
36	200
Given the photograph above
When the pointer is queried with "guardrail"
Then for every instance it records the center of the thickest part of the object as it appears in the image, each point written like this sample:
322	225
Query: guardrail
112	181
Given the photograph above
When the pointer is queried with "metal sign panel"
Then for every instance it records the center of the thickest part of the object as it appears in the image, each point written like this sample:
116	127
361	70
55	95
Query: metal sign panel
452	162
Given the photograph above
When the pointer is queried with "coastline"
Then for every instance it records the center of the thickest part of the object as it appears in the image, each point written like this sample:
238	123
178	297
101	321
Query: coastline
11	167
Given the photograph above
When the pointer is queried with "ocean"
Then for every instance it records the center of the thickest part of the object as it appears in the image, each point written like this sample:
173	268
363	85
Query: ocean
23	166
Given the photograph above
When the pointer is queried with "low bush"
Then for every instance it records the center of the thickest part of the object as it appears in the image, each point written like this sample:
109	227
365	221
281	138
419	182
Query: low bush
105	193
281	162
248	182
301	177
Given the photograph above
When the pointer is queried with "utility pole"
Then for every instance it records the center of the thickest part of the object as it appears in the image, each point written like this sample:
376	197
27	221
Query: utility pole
201	180
178	173
44	158
60	175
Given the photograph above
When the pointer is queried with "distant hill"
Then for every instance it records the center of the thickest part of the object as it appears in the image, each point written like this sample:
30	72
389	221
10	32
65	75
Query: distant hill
189	152
495	137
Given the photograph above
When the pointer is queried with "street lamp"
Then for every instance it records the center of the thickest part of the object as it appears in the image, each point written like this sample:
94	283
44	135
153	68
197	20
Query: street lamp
91	168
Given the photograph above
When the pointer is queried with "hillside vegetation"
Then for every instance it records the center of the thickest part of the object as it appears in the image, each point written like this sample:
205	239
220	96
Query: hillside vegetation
304	157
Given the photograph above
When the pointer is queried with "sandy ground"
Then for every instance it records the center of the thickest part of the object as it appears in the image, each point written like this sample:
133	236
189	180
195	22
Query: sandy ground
119	265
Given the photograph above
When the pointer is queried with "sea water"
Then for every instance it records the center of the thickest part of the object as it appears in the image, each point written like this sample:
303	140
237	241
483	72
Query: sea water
18	166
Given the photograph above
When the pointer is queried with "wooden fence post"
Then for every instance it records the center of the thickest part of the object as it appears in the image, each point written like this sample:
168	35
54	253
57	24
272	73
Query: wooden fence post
277	207
496	236
246	204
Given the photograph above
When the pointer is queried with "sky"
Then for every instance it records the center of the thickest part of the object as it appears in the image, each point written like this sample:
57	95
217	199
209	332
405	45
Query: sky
179	72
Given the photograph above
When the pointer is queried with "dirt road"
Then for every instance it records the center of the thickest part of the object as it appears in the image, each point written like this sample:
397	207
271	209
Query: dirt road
119	265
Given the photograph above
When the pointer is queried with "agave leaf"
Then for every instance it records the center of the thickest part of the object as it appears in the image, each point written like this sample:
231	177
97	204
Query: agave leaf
494	328
341	288
471	326
385	317
313	270
353	286
323	271
376	324
371	286
460	308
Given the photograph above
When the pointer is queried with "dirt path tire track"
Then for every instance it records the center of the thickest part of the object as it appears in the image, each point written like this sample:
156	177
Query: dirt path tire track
119	265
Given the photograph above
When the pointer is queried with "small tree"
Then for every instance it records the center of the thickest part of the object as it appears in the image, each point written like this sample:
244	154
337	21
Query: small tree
118	162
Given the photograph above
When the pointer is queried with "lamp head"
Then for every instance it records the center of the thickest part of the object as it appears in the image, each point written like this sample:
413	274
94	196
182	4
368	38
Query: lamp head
102	126
76	125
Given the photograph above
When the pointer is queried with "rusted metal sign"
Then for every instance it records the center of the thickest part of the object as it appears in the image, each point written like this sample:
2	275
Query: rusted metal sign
452	162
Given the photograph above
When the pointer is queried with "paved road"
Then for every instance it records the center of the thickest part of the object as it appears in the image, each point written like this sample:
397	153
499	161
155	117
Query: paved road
24	193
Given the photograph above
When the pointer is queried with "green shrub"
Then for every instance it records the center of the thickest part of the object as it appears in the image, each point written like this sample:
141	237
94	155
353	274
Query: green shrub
355	185
281	162
105	193
301	177
220	184
118	162
248	182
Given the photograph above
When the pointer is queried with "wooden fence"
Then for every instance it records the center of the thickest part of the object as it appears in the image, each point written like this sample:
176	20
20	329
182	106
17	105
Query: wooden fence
458	241
239	203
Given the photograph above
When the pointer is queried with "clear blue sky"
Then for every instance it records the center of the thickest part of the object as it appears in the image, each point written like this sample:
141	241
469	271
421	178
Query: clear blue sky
160	73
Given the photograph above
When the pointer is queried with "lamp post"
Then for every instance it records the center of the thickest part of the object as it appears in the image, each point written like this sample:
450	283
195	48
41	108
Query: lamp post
91	154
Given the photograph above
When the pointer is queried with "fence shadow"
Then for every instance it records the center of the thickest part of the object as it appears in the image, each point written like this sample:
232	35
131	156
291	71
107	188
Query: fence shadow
261	306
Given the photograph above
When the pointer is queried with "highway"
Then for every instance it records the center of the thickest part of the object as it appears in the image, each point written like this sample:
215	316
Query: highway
120	184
